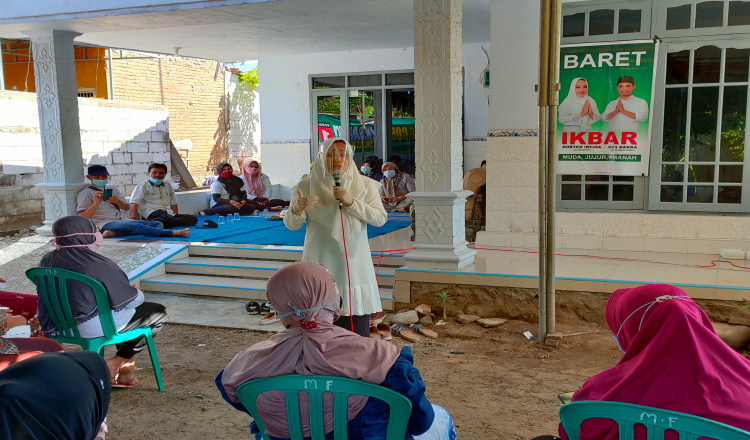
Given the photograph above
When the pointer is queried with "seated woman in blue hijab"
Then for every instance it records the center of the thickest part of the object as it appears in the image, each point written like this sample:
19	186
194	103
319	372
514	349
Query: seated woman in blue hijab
76	240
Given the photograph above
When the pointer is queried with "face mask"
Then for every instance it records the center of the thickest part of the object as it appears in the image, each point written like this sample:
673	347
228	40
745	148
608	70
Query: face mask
101	183
365	170
389	174
98	239
156	182
226	174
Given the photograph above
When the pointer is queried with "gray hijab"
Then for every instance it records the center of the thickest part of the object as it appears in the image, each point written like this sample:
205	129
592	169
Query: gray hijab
86	262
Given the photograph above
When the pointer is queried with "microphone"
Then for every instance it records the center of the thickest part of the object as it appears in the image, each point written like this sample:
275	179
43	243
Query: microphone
337	180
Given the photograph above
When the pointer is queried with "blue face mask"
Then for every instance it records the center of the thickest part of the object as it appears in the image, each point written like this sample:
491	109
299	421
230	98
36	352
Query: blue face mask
389	173
101	183
365	170
156	182
618	344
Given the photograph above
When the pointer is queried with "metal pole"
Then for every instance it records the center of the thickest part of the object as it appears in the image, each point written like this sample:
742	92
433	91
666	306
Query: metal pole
554	87
543	94
111	75
549	45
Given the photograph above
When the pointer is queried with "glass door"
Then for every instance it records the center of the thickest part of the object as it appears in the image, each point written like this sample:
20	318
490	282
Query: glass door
400	128
328	112
365	122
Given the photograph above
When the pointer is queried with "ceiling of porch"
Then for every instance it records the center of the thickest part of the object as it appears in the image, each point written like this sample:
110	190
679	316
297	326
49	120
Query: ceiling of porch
254	30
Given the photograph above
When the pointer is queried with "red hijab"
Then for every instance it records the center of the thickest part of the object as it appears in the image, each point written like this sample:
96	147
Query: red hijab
673	360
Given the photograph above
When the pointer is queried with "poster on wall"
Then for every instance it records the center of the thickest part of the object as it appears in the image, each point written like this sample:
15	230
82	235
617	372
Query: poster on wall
605	107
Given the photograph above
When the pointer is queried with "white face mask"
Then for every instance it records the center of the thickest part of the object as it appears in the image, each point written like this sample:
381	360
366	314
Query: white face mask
389	173
98	239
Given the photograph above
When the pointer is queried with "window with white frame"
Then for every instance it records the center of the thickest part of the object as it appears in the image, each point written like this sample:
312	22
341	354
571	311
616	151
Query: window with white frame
697	159
700	108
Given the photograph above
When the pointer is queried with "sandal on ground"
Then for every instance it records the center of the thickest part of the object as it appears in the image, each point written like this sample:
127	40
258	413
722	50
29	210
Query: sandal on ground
270	318
265	308
374	333
424	330
252	308
405	333
385	332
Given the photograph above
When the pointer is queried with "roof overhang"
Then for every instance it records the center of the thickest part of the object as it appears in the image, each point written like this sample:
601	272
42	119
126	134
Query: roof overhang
235	30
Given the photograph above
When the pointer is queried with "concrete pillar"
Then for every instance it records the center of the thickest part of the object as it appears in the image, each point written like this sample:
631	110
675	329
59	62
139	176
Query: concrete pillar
57	100
513	134
439	199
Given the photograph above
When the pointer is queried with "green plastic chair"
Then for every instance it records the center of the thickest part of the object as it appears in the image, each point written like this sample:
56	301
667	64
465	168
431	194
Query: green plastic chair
656	421
52	286
316	386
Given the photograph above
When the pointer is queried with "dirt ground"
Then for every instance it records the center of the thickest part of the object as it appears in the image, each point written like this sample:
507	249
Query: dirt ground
494	382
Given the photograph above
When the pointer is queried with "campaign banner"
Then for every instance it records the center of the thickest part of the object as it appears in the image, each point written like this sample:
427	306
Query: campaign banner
604	113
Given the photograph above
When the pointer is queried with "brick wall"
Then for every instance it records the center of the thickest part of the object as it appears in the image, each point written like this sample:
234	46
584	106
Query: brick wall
125	137
194	92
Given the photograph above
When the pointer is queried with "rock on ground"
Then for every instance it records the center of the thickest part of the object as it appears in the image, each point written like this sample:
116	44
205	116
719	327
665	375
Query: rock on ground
407	317
736	336
466	319
491	322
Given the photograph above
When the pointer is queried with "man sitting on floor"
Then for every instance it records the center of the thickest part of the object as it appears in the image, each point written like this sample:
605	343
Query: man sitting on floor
109	216
155	200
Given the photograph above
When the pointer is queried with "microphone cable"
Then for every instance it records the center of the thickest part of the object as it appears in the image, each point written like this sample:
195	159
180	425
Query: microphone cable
348	277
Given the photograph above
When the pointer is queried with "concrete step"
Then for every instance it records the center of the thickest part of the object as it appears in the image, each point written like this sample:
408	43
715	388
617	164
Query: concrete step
206	286
235	267
276	254
243	288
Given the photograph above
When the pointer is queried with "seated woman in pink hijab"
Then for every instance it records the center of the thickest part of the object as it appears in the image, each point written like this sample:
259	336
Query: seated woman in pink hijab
673	360
258	187
307	300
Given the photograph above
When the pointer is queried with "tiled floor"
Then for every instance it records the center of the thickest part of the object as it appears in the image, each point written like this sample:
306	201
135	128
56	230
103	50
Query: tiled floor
586	270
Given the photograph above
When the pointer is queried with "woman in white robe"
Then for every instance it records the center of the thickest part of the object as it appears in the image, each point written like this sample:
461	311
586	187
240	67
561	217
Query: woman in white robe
334	214
578	111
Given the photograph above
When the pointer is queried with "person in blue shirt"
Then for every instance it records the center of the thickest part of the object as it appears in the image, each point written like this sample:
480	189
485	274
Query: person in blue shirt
305	296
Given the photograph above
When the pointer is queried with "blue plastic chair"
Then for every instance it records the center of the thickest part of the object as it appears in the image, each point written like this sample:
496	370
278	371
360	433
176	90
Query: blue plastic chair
316	387
52	286
656	421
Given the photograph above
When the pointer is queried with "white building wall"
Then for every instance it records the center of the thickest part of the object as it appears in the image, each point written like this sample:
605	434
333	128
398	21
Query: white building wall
125	137
512	170
476	104
244	120
285	103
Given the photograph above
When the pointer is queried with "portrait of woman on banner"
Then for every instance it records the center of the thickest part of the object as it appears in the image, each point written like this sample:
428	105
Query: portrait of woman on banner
578	110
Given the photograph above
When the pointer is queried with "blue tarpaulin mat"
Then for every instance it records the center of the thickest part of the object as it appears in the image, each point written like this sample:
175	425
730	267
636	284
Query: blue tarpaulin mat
259	229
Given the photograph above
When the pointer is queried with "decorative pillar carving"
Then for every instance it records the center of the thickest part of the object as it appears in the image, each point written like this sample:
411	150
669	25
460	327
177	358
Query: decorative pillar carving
439	199
57	100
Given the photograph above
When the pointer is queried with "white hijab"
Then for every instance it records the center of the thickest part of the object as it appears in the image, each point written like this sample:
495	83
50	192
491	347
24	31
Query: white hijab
326	212
572	106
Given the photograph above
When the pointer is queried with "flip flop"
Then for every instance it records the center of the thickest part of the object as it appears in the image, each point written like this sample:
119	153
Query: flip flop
422	329
405	333
265	308
374	333
385	331
253	308
270	318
